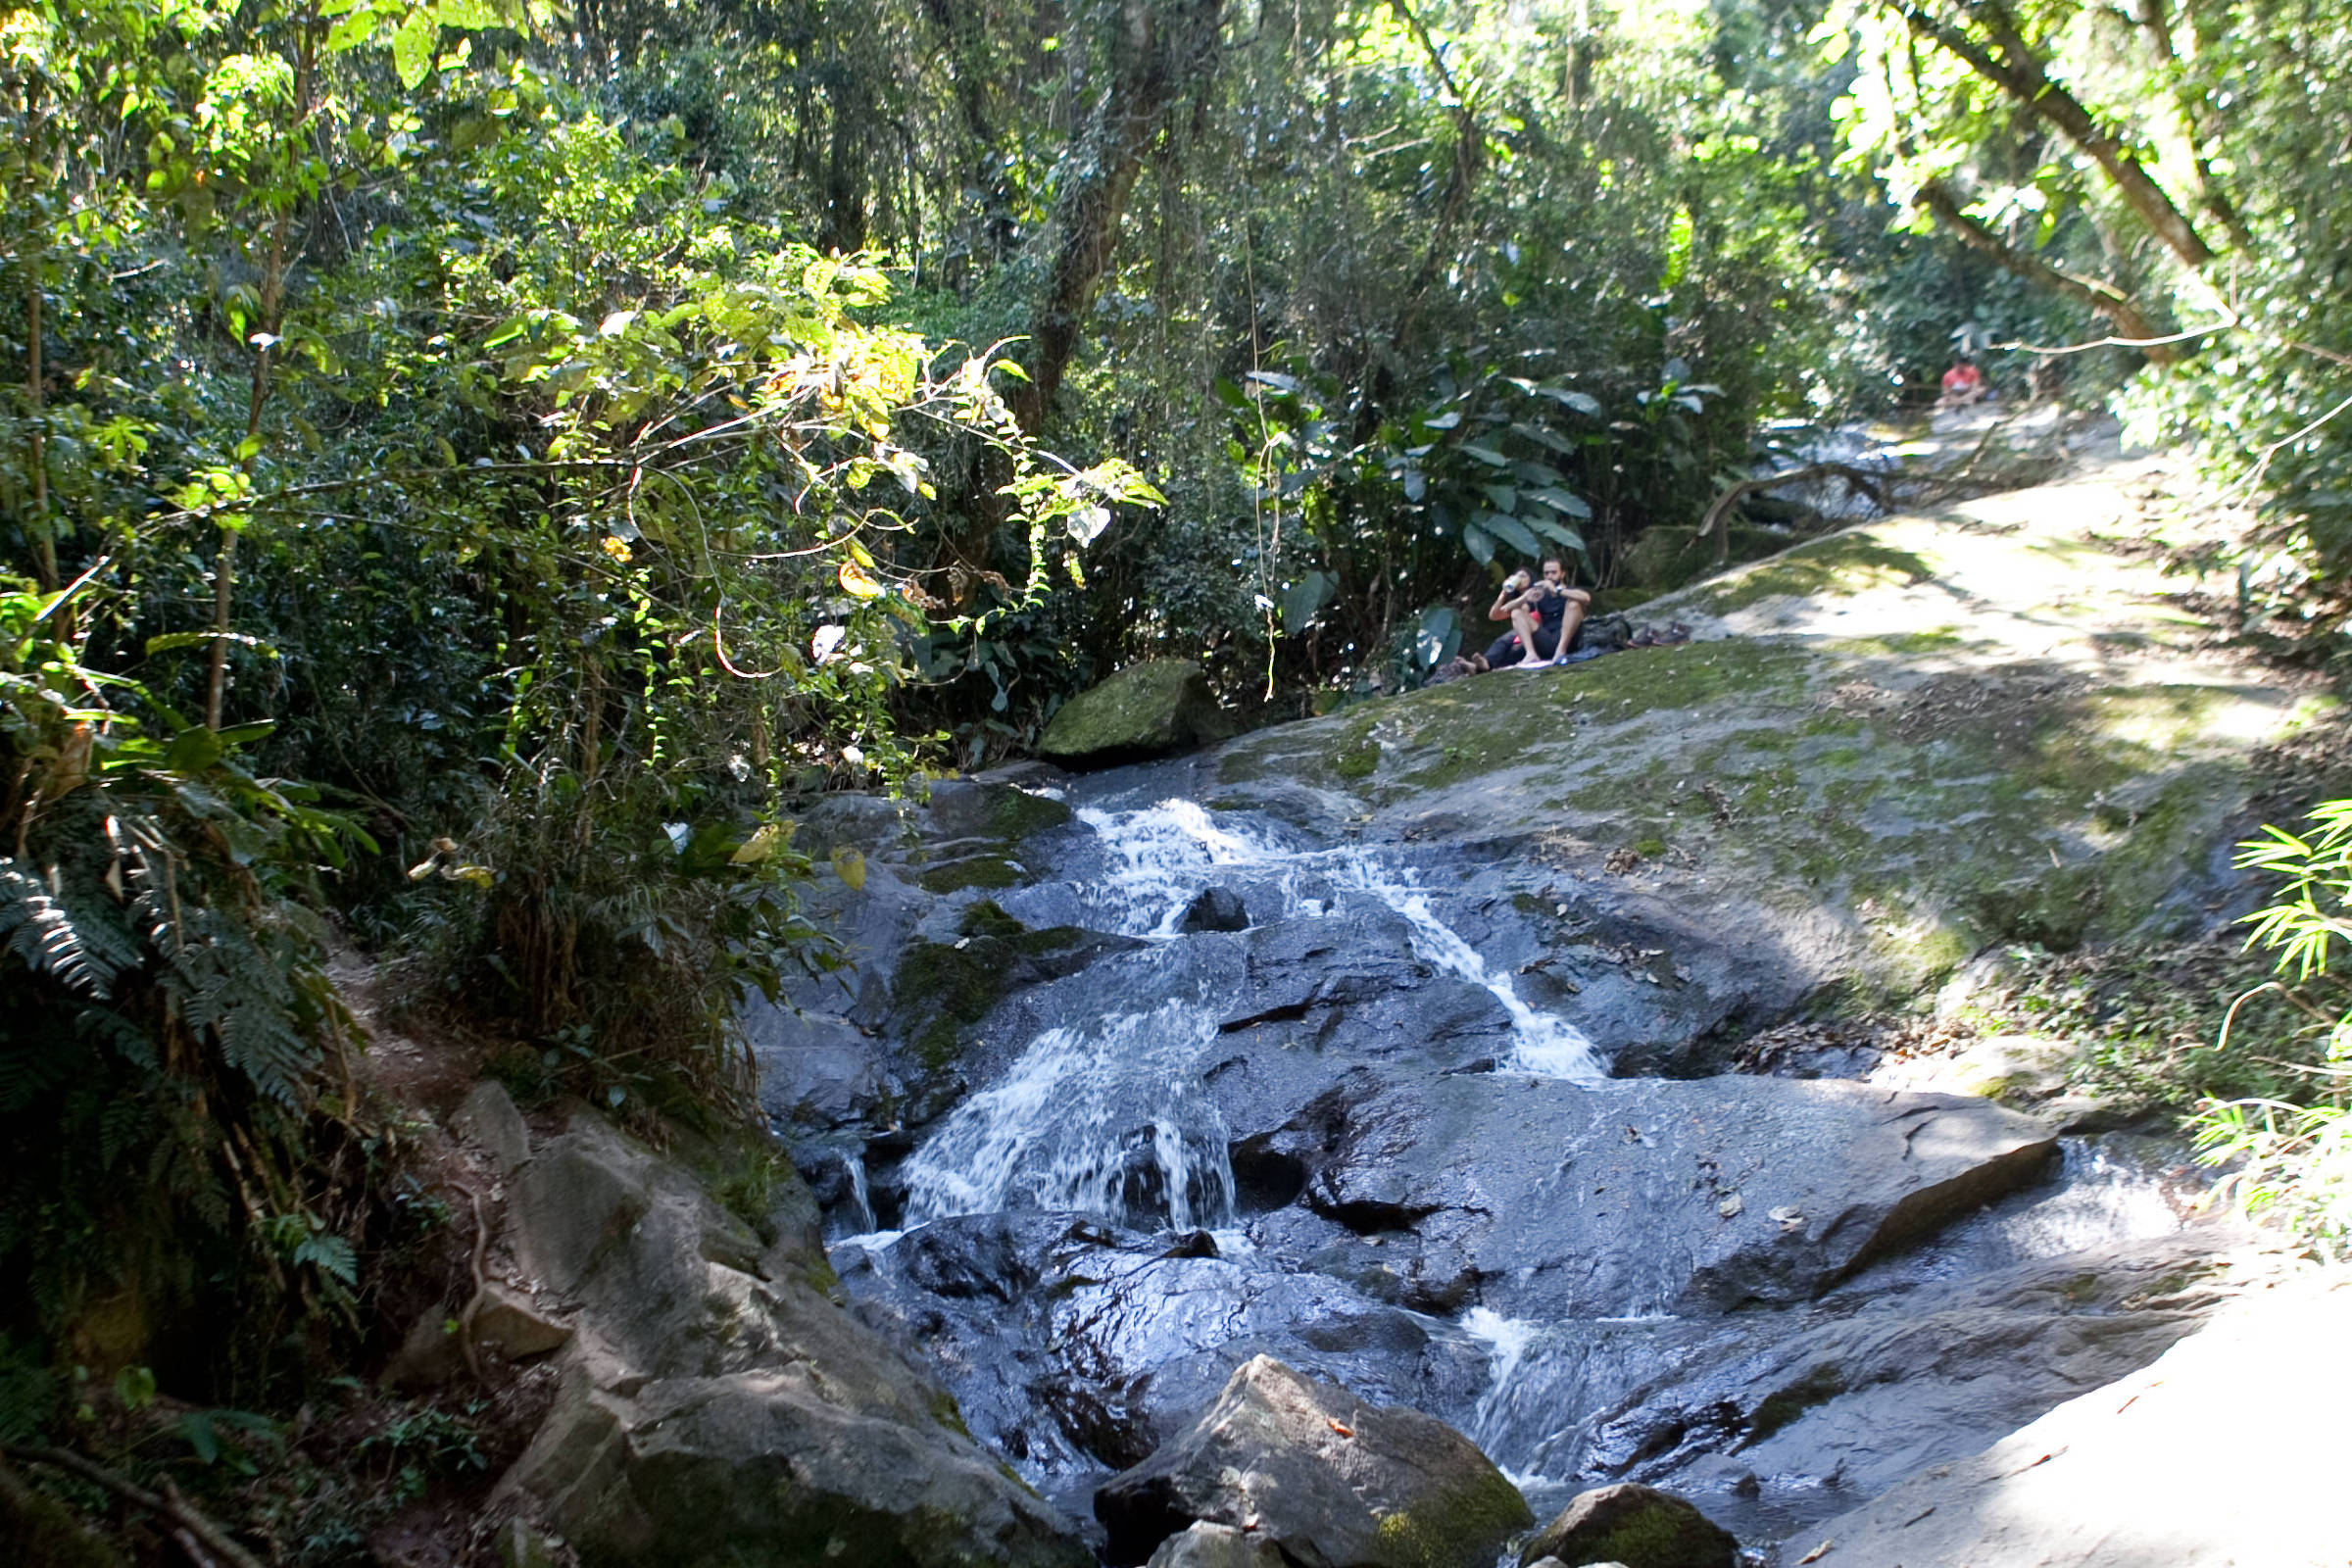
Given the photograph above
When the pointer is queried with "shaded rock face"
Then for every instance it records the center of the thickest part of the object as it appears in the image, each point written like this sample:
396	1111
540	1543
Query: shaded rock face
1637	1527
717	1408
1147	709
1322	1476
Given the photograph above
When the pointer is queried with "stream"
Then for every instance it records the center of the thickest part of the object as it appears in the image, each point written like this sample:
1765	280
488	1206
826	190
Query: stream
1327	1100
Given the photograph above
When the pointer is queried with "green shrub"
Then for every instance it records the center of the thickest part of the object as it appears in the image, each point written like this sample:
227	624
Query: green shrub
2292	1157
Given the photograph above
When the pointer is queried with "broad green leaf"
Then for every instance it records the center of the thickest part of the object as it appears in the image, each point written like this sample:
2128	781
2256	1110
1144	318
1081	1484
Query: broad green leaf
1487	455
469	15
413	48
1478	542
1558	533
192	751
1563	501
1581	402
1511	532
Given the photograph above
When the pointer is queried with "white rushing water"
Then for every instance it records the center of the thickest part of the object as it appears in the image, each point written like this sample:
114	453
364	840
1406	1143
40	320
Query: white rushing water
1101	1118
1107	1116
1161	857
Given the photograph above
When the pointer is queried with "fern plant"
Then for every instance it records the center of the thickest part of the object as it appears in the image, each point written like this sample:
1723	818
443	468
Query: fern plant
172	1054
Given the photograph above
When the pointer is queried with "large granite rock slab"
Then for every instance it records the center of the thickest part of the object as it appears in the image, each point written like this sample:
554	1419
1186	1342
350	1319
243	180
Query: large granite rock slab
2216	1454
1326	1478
1147	709
1640	1195
717	1407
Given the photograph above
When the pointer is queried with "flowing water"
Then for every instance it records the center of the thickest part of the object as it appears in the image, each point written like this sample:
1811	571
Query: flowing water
1106	1112
1098	1116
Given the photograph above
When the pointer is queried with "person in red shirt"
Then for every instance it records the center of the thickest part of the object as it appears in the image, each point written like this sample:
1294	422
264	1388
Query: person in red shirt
1963	384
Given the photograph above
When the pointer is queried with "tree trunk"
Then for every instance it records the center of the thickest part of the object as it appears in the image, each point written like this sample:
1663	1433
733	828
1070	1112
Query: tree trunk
1162	44
272	318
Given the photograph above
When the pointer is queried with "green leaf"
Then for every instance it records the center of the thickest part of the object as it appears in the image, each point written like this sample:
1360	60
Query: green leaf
413	48
193	750
1560	534
1581	402
351	33
1562	500
469	15
1501	497
1487	455
850	867
1511	532
1478	542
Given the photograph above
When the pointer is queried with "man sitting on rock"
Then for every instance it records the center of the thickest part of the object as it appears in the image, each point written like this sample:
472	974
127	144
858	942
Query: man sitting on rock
1545	616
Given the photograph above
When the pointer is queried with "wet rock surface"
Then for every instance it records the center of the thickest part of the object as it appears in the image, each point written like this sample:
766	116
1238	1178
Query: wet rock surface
717	1407
1322	1475
1637	1527
1398	1054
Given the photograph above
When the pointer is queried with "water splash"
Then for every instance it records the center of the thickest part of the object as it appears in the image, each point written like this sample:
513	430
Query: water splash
1542	1045
860	1192
1159	857
1104	1118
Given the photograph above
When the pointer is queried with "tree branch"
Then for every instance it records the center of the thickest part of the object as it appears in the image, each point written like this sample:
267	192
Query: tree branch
2102	296
173	1508
1870	484
2019	71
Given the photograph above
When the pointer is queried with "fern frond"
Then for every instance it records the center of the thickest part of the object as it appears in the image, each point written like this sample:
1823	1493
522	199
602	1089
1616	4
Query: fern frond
83	950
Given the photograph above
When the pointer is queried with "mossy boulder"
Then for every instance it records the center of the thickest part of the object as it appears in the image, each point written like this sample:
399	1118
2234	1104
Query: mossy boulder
1638	1525
1324	1476
1667	556
943	988
1147	709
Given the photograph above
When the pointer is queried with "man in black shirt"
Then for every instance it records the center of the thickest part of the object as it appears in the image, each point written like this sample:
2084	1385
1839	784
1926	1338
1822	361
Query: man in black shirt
1545	616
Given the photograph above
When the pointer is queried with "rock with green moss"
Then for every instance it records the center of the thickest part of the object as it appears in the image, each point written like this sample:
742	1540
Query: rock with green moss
1634	1525
943	988
1884	751
1147	709
1322	1476
717	1409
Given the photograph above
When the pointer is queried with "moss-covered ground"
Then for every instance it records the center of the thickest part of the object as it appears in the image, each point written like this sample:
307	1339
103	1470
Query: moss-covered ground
1935	734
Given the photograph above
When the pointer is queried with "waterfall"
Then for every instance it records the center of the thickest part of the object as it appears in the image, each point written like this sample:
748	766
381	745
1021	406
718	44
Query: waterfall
1101	1118
1106	1116
1542	1045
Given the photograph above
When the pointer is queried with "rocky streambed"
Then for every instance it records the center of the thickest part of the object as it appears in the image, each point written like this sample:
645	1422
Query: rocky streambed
1394	1046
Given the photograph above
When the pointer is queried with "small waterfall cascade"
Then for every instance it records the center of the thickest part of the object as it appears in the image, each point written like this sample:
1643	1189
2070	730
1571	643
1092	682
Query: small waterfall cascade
1103	1115
1543	1046
1099	1118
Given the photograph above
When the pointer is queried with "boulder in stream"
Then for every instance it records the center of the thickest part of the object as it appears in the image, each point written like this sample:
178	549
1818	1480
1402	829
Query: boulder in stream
1636	1526
1147	709
1323	1476
717	1407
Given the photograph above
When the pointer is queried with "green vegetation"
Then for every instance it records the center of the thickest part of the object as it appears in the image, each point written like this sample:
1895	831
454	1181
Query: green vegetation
2291	1149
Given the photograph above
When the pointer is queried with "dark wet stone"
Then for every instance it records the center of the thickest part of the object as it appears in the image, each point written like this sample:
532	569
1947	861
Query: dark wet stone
1321	1474
1215	910
1639	1527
